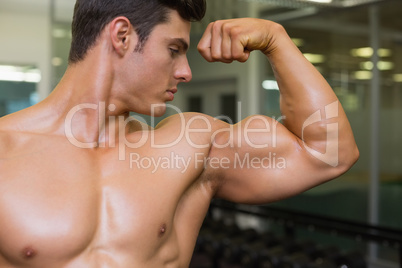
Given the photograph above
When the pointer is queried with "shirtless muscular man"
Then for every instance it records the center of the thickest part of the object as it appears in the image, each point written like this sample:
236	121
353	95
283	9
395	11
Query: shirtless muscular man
79	185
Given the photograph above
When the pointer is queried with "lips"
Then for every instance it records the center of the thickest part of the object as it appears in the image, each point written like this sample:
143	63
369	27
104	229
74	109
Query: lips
171	93
174	90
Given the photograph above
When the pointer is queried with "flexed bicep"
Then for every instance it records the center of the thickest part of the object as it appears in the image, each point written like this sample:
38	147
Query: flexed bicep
261	161
248	171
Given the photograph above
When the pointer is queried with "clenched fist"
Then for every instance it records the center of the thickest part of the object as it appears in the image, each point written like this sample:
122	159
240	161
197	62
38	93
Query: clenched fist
229	40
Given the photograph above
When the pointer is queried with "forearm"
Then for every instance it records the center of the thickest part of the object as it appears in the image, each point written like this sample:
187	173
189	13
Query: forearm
303	93
303	90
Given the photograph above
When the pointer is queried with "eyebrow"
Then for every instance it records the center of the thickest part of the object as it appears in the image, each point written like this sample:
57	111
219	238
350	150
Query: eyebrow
182	43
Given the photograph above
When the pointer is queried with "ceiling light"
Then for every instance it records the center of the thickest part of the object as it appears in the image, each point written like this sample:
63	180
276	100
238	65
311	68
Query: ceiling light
270	85
382	65
33	76
385	65
384	52
8	68
363	75
397	78
364	52
367	65
314	58
19	74
367	52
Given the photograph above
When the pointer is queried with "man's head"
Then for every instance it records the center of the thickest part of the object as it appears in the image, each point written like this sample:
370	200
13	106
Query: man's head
91	17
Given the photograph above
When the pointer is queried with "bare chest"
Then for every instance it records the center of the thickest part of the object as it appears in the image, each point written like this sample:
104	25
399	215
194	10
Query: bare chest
59	207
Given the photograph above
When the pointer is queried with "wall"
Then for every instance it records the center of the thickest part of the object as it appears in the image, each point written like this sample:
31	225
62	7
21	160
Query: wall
25	39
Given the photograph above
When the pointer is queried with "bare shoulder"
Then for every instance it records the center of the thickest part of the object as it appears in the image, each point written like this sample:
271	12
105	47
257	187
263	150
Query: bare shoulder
192	120
6	143
9	122
196	128
199	133
8	135
14	144
20	136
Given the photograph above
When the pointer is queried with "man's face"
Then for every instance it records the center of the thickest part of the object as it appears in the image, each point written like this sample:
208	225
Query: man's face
152	75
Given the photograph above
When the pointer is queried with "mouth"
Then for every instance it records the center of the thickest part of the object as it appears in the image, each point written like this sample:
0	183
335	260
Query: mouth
174	90
171	93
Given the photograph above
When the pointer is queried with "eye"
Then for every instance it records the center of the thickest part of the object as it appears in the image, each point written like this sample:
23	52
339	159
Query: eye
174	51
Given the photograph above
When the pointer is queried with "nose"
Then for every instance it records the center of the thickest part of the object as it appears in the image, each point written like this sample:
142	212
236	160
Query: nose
183	72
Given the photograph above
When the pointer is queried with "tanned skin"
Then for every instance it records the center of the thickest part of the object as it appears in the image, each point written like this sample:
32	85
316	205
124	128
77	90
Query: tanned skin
71	194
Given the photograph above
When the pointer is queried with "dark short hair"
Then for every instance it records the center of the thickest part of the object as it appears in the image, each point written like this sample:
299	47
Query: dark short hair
91	17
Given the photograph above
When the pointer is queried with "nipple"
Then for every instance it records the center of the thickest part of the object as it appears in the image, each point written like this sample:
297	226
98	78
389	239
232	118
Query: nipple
162	230
28	253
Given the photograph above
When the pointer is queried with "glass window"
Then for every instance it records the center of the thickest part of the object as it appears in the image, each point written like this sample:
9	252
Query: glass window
338	44
18	87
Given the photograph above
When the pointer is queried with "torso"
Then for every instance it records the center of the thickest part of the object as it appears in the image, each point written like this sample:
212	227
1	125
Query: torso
63	206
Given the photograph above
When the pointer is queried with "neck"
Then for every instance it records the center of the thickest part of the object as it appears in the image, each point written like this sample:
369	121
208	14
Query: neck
83	103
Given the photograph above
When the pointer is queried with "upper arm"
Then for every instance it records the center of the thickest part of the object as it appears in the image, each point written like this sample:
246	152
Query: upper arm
261	161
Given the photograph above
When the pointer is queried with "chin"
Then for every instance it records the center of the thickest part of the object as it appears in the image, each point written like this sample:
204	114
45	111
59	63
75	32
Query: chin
157	110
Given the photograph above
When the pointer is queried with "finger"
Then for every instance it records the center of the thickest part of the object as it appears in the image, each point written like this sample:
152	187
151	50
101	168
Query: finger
216	41
239	53
239	44
226	46
204	46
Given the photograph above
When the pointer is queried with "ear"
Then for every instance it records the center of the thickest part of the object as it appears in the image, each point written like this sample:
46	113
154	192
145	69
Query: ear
121	31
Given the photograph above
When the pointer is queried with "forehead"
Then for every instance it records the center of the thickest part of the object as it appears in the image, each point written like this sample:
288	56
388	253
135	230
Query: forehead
175	28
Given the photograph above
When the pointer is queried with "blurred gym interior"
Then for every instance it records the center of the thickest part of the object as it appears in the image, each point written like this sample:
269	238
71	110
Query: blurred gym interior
354	221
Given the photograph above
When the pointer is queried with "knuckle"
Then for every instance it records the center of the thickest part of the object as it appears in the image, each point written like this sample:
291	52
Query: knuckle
200	48
226	27
227	55
235	31
211	24
215	56
243	58
208	57
238	54
216	26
